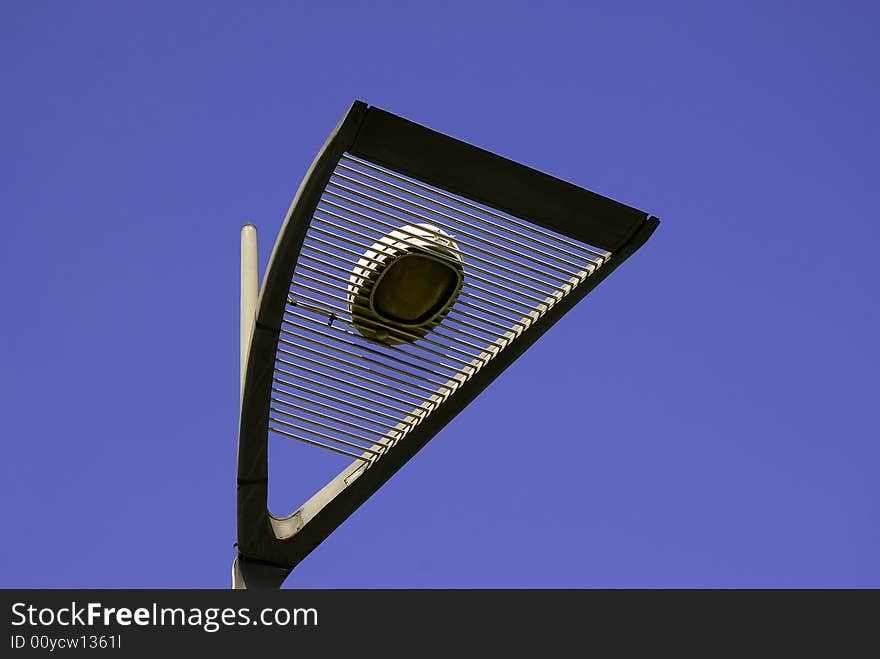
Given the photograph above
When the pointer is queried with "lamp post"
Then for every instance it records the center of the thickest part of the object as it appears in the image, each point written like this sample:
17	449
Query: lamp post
410	271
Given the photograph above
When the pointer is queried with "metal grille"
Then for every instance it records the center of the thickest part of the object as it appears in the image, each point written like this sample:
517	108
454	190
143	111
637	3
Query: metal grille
338	390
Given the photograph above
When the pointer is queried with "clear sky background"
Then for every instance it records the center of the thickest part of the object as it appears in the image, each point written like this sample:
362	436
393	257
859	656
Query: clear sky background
706	417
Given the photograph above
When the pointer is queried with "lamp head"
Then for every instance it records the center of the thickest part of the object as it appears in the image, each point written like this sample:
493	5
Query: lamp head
405	284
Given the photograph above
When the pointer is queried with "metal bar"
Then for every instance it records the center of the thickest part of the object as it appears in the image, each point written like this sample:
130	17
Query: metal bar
524	305
322	394
348	382
360	367
497	315
464	323
385	428
354	354
401	228
356	341
440	204
458	232
320	424
249	296
348	270
468	284
428	248
457	309
319	444
321	308
307	246
374	323
366	321
397	350
462	293
329	417
355	376
486	210
318	433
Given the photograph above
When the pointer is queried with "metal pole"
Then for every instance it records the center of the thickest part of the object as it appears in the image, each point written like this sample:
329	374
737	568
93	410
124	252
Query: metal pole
250	293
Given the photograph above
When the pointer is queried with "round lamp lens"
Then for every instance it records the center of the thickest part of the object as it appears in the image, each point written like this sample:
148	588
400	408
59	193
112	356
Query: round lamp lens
414	289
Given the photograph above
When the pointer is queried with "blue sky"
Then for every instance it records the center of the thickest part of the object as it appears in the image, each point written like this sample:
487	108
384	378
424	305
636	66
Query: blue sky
706	417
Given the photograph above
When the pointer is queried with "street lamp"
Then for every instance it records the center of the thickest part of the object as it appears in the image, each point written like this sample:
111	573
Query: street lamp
407	281
411	270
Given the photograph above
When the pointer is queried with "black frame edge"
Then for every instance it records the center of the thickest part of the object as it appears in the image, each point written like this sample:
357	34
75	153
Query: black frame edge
498	182
254	532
